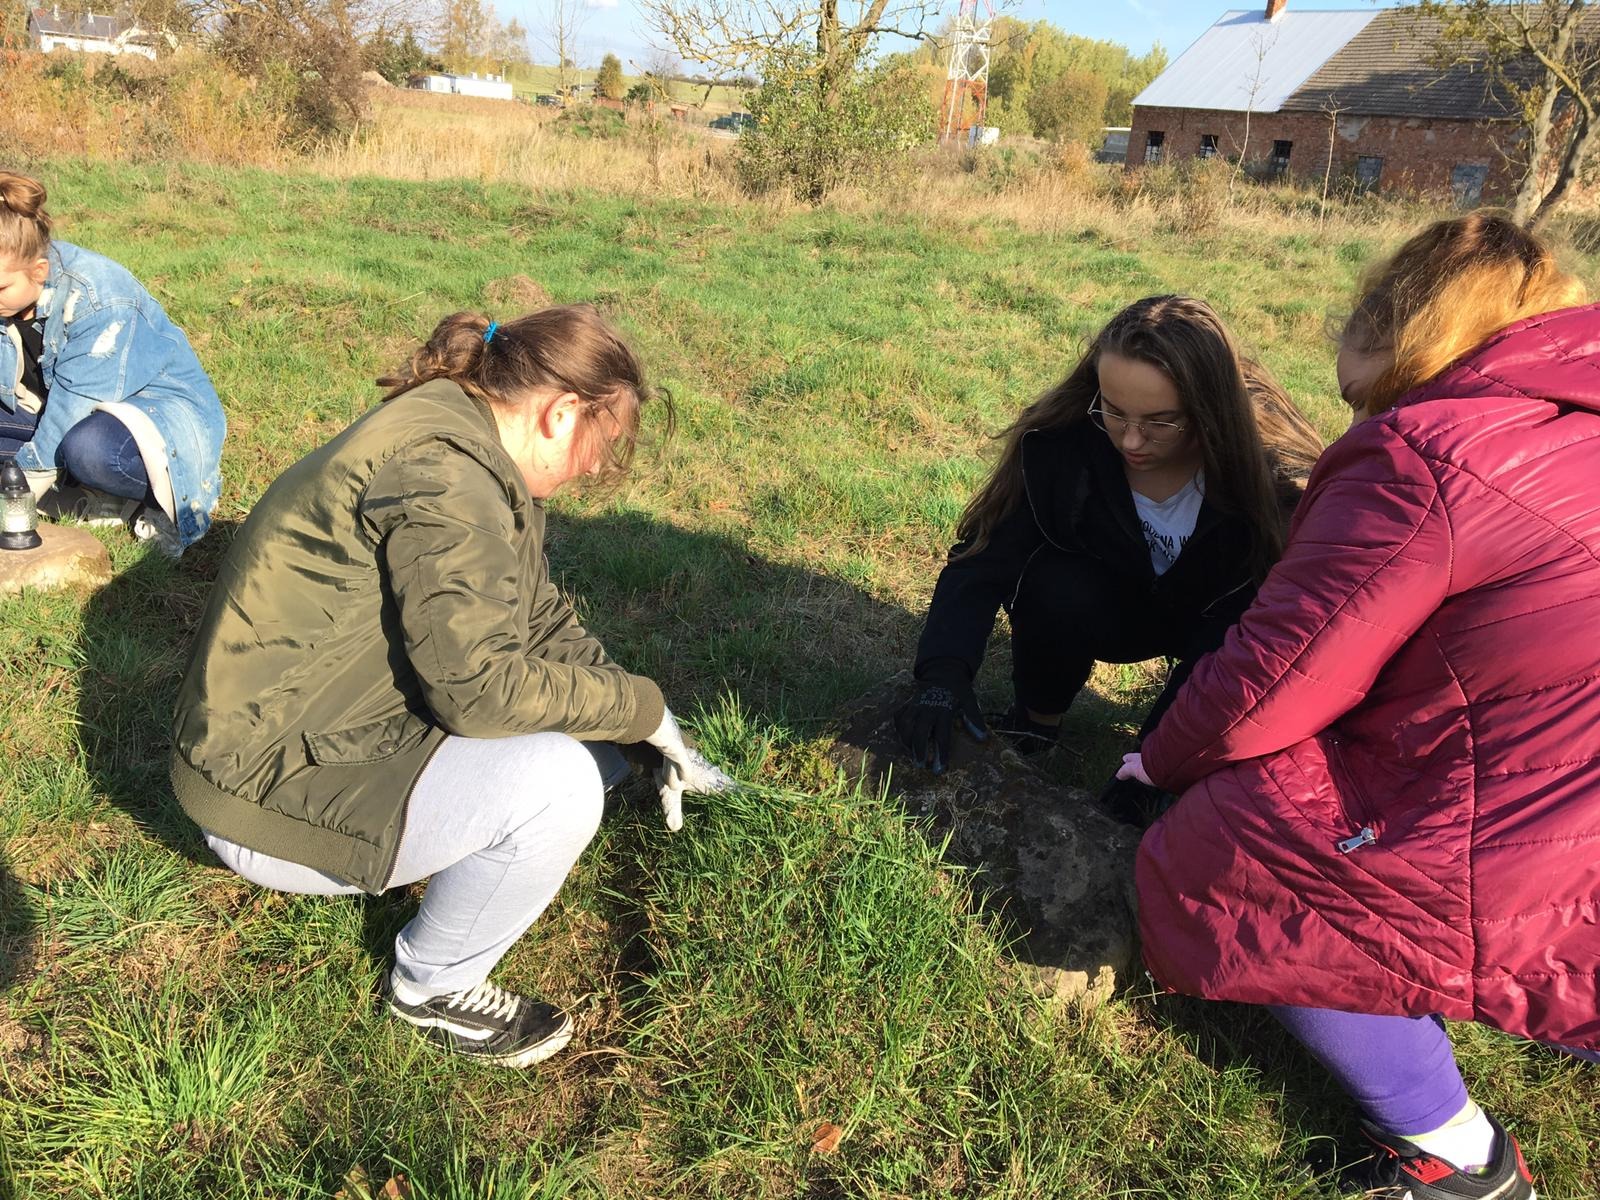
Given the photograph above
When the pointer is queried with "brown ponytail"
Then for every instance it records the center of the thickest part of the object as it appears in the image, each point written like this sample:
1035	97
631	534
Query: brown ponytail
570	348
24	225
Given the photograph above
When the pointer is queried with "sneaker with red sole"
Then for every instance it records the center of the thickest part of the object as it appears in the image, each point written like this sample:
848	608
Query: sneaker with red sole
1403	1171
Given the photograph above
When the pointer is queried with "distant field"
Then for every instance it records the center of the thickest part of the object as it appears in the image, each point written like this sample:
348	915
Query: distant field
797	955
530	81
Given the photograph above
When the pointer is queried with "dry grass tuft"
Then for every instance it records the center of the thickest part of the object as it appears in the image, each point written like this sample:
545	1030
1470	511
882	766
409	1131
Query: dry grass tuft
185	107
517	293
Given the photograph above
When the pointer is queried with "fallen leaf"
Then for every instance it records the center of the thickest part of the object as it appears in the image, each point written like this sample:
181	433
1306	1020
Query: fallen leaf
398	1188
357	1186
828	1137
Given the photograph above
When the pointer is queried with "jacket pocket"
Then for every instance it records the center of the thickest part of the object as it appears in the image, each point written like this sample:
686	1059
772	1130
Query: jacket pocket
1365	827
369	743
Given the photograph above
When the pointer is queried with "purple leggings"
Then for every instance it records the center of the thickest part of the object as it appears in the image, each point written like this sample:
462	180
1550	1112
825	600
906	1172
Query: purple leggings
1401	1070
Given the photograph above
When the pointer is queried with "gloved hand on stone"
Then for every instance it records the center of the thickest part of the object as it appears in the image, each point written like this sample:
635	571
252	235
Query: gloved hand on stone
927	721
682	770
1131	798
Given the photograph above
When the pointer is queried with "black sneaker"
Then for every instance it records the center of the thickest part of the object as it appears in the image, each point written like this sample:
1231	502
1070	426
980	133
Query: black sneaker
1402	1171
1027	737
489	1024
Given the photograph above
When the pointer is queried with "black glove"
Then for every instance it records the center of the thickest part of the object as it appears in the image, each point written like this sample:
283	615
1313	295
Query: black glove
925	723
1134	803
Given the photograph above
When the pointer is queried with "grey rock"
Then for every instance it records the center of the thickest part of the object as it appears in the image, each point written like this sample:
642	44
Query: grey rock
1060	869
67	557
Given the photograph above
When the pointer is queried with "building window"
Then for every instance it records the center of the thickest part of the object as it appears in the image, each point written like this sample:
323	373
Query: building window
1208	145
1369	169
1466	181
1152	145
1278	163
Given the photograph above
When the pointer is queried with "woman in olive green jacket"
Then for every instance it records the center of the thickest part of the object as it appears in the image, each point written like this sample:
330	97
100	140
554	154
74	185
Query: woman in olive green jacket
386	685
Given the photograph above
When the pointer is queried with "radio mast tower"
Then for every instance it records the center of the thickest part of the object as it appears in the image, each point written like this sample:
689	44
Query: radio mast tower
966	86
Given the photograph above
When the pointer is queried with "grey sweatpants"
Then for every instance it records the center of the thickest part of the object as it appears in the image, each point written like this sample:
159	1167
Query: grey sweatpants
497	823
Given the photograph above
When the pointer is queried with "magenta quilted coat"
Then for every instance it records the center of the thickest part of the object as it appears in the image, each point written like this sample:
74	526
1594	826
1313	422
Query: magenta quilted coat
1390	771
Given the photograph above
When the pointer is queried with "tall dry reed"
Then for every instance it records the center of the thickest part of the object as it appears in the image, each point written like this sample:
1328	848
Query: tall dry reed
183	107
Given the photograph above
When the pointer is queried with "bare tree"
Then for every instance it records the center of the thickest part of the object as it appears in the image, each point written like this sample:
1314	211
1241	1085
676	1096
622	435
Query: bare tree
1261	43
738	36
563	22
1542	58
1331	107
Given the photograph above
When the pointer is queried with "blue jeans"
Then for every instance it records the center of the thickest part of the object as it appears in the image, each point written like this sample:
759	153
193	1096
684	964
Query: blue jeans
16	430
100	453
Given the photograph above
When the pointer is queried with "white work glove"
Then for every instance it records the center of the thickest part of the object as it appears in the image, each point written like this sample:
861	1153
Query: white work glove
1133	768
682	770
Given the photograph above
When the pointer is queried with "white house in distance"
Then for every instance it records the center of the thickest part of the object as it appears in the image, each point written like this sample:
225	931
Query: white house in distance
88	33
490	87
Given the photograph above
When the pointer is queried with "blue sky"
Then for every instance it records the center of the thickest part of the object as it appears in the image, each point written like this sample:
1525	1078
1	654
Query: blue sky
616	25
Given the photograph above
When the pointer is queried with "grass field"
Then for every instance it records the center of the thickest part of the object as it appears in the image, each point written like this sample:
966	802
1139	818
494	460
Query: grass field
531	80
797	955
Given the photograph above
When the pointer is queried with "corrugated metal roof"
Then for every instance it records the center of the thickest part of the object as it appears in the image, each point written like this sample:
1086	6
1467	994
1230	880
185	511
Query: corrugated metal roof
1244	50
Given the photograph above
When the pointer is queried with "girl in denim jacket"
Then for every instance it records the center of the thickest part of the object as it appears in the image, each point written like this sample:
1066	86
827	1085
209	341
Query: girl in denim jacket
98	388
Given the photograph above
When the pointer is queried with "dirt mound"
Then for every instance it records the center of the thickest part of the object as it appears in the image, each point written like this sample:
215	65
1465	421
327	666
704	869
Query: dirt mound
1061	869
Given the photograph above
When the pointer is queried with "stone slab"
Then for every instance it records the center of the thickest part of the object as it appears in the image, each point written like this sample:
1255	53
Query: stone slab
1060	868
67	557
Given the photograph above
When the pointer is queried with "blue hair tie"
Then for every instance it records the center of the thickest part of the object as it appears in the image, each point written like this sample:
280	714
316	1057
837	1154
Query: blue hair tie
488	334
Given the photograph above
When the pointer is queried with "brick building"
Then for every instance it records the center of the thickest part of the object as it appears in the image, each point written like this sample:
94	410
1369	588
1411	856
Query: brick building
1357	84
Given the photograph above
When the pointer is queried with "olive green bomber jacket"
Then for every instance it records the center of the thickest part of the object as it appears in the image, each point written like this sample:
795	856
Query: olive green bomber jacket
390	589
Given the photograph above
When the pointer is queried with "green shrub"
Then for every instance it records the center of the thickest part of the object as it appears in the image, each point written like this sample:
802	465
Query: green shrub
809	143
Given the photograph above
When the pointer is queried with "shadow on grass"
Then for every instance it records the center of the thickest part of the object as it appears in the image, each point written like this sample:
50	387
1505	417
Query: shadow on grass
136	635
19	920
1227	1036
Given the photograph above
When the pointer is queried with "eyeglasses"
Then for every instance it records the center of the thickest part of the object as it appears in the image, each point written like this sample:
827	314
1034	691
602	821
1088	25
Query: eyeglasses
1162	433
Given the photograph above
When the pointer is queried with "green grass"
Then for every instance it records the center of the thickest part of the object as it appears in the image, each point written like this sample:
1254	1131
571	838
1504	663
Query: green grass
798	955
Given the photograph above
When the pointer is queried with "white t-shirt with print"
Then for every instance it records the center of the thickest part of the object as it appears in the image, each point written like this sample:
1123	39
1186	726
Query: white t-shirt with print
1169	523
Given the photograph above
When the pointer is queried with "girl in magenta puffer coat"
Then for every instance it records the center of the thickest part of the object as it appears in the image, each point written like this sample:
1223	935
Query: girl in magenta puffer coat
1390	771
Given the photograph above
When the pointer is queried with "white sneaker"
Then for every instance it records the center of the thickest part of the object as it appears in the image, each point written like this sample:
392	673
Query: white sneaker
85	506
154	526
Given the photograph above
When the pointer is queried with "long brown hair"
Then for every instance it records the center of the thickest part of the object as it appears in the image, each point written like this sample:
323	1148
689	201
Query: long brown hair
1254	442
1447	291
24	224
570	348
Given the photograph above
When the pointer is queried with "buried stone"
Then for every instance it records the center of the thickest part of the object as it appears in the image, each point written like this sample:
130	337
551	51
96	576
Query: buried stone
65	557
1059	869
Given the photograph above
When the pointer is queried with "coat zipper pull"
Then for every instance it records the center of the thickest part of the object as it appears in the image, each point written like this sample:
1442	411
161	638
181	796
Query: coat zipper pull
1364	838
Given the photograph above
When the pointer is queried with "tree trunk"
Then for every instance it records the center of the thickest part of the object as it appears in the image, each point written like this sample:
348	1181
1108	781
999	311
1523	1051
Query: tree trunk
1530	193
1577	152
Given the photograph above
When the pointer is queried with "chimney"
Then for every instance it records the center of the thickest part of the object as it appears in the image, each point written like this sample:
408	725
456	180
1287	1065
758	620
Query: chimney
1275	8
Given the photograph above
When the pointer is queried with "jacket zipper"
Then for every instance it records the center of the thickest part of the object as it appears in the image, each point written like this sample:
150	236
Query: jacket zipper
1365	834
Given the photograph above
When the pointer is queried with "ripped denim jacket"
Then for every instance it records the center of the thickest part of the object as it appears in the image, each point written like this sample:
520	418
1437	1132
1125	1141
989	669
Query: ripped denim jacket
107	343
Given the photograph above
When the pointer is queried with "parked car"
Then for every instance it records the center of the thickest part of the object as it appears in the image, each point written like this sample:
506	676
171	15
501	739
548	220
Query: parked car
733	122
547	100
